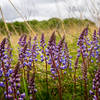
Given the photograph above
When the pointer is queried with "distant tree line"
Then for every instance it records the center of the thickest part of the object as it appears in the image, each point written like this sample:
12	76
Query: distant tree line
37	26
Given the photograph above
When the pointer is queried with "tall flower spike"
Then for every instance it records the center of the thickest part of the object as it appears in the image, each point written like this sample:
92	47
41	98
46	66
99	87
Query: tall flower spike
6	68
2	48
22	40
31	86
95	91
44	58
22	53
66	56
15	82
52	40
82	43
29	42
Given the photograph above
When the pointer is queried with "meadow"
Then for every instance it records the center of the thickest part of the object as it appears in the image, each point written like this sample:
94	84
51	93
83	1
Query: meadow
52	64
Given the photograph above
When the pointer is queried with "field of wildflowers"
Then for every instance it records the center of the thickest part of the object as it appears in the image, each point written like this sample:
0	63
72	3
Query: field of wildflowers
47	70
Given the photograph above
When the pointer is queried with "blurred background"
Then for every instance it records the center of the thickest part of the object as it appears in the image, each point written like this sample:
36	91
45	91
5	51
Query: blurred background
45	9
70	16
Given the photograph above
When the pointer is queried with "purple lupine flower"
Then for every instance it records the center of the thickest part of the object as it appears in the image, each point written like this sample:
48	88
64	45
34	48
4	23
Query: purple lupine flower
2	84
22	53
23	95
2	48
96	85
31	86
5	61
29	61
15	81
55	59
66	56
29	43
84	44
34	50
59	58
22	40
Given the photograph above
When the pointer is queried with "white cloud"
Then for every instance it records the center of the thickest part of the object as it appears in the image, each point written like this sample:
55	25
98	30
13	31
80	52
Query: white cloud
44	9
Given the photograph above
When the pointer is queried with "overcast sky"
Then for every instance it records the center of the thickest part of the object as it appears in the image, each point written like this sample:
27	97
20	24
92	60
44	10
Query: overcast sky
45	9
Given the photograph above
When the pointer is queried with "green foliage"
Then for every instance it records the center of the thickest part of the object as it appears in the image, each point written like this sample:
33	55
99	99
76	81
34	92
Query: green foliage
54	23
73	21
20	27
44	25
